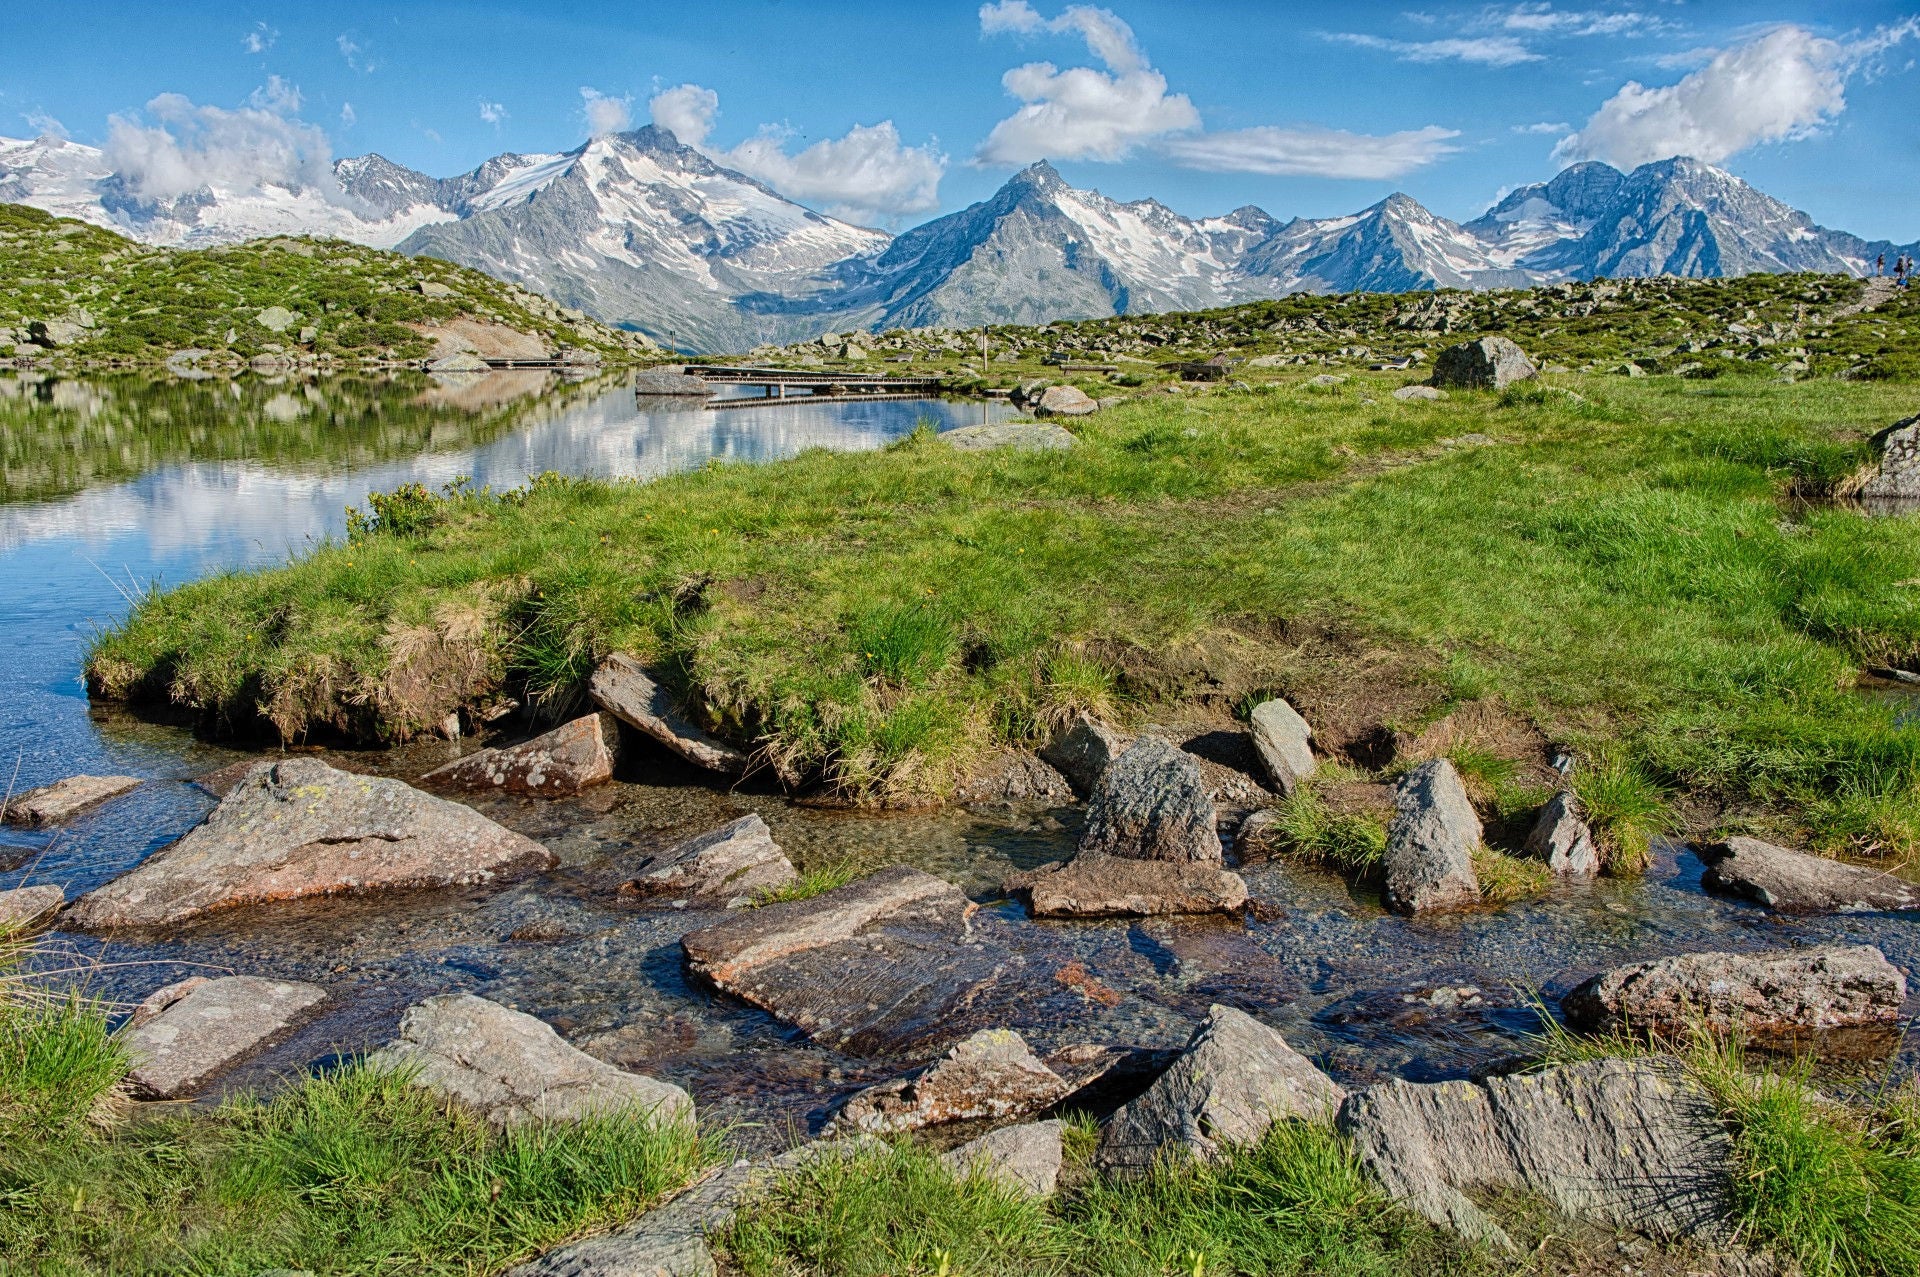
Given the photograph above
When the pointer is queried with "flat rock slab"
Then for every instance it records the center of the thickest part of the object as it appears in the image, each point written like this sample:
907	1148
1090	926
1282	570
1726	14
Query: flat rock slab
1839	986
1236	1078
1092	885
1082	750
25	908
725	868
558	764
64	799
1631	1143
211	1027
623	687
1431	842
872	967
664	383
1795	882
1284	742
1152	803
512	1068
1022	436
1409	394
1561	837
990	1075
298	828
1022	1159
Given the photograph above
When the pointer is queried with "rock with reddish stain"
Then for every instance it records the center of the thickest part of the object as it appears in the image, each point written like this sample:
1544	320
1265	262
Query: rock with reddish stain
298	828
1092	885
1831	987
559	764
990	1075
623	687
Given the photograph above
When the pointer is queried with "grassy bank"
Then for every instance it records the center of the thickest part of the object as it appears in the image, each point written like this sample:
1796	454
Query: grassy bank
1623	567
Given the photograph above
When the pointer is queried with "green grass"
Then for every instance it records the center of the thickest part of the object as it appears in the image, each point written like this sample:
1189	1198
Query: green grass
349	1171
1625	810
1350	843
814	881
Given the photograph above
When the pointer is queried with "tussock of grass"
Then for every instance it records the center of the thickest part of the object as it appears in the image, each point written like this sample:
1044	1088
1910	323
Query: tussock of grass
1504	879
1308	831
814	881
1625	810
1880	822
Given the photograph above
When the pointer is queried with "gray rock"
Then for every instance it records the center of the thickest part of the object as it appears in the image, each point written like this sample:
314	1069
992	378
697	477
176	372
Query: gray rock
726	867
1431	842
1631	1143
461	361
54	333
624	688
433	288
1014	777
1022	1159
1019	435
1491	363
24	909
1236	1078
1064	401
556	764
1096	885
1830	987
1795	882
209	1028
162	998
1284	742
1561	838
1152	803
876	965
1082	749
658	382
64	799
990	1075
1409	394
298	828
512	1068
1895	474
275	319
1325	379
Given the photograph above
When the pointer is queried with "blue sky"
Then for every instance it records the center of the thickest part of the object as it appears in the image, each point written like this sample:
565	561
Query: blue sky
892	113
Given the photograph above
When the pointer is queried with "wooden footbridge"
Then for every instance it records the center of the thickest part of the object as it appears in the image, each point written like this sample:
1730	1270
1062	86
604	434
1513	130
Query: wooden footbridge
839	383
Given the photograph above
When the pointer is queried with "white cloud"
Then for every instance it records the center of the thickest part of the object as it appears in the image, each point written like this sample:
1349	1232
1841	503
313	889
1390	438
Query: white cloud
1546	20
189	146
1546	128
44	125
492	112
1781	87
686	110
605	114
1312	152
1493	51
1080	113
260	39
355	52
347	115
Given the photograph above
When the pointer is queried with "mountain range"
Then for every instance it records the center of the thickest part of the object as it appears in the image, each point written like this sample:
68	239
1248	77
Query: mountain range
645	233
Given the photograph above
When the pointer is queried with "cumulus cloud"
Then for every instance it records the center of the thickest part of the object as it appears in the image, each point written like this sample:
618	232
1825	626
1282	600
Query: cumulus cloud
187	146
1783	86
867	176
1312	152
1493	51
605	113
1081	112
260	39
492	112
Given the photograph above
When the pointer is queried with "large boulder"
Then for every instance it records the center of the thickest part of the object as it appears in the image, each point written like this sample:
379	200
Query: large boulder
1431	842
1822	988
1022	1159
1236	1078
623	687
723	868
1631	1143
64	799
1795	882
1096	885
1284	742
1082	750
210	1026
557	764
1561	837
512	1068
1491	363
1065	401
1152	803
874	966
1895	475
24	909
990	1075
298	828
1022	436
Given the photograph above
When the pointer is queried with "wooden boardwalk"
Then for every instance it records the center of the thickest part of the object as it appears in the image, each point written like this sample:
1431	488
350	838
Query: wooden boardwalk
844	383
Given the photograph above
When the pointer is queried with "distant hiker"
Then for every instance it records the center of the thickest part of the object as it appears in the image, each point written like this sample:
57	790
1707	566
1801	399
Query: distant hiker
1880	264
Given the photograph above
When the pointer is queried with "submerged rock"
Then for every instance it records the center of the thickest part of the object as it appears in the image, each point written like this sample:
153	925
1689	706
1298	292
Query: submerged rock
299	828
876	965
1095	885
1632	1143
24	909
1491	363
207	1028
1795	882
1560	837
512	1068
1019	435
558	764
1236	1078
723	868
1825	988
624	688
1284	742
1431	842
1083	749
1025	1159
989	1075
64	799
1152	803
